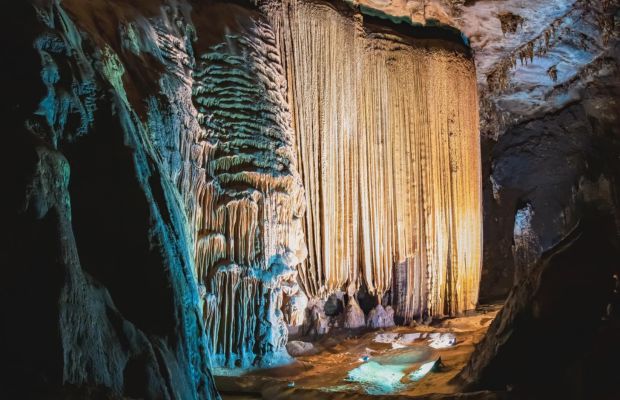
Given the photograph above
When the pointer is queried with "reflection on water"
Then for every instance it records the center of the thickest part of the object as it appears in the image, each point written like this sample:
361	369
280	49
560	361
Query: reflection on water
391	372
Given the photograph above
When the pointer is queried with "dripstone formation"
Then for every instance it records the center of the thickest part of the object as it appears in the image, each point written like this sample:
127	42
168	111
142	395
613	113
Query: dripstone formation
187	182
336	148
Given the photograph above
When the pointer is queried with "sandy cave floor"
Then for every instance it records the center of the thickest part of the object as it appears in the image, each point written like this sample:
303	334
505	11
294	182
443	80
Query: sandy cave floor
389	355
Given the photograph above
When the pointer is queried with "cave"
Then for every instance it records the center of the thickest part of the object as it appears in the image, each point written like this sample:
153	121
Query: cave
310	199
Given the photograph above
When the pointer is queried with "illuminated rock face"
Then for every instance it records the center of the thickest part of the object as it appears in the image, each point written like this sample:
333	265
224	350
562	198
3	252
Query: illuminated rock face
384	132
249	232
387	129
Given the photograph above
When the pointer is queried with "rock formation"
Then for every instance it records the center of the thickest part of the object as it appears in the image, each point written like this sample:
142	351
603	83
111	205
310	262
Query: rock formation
296	348
386	125
380	317
526	248
550	339
545	71
249	197
189	181
274	108
544	126
99	296
354	316
213	119
550	146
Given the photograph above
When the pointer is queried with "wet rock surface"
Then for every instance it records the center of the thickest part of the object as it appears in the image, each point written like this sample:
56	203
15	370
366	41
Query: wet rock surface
349	364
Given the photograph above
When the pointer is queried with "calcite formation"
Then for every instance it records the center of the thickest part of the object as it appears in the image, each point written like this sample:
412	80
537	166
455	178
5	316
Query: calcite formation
354	315
387	129
250	200
325	133
285	150
193	179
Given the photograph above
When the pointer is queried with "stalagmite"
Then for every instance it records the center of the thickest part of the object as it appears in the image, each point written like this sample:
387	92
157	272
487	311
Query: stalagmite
387	133
380	317
353	314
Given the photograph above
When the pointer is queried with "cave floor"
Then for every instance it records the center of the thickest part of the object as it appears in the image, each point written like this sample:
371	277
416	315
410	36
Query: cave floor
367	363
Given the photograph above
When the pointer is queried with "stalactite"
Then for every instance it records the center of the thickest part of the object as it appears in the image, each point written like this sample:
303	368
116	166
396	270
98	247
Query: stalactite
593	12
250	202
387	134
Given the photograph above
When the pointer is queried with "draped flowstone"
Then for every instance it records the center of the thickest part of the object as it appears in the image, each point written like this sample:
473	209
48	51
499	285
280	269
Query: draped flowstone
387	133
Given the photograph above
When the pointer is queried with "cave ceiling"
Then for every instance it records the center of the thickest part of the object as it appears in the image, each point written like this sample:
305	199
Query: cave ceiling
532	57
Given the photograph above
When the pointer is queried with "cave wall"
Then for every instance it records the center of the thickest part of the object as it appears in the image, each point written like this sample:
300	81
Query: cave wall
549	139
556	336
557	333
554	165
551	214
99	297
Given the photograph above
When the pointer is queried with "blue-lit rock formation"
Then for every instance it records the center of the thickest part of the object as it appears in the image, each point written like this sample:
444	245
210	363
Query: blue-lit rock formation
249	235
98	294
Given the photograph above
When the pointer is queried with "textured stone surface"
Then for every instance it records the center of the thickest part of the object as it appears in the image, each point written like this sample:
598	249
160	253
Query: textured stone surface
316	322
380	317
550	339
298	348
209	139
250	200
554	163
548	127
386	122
531	55
535	61
548	75
354	316
98	295
140	166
